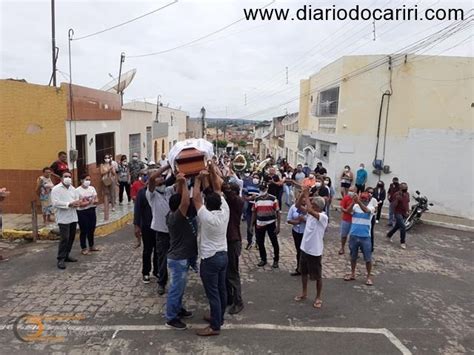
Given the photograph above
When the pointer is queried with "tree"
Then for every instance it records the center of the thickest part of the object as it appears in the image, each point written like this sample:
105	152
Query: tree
242	143
220	143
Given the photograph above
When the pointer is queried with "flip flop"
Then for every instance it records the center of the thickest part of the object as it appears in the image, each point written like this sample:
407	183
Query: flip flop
318	304
349	277
369	282
299	298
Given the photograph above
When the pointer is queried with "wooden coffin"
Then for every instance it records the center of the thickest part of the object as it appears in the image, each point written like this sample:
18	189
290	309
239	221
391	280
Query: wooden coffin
190	162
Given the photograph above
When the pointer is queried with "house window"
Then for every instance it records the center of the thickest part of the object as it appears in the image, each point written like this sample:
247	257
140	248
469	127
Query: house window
104	144
324	152
134	144
327	103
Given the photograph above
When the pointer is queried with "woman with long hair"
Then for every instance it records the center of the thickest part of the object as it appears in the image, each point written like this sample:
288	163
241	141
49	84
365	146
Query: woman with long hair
86	214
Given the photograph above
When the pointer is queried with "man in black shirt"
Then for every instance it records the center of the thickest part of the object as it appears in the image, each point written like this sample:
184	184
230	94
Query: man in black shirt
183	249
142	220
320	189
320	169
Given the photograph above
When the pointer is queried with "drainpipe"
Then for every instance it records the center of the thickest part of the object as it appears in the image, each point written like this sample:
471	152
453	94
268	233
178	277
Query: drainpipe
386	93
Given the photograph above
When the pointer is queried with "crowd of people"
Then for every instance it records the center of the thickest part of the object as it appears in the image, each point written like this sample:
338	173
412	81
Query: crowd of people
181	219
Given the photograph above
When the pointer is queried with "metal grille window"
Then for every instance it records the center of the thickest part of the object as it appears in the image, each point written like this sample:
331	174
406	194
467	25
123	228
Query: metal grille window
134	144
327	103
104	144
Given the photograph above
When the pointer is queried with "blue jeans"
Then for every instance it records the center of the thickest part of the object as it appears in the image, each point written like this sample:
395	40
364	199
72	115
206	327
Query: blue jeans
399	224
178	274
391	215
365	245
213	276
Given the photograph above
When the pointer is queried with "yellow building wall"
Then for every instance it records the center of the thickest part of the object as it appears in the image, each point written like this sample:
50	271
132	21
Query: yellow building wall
32	125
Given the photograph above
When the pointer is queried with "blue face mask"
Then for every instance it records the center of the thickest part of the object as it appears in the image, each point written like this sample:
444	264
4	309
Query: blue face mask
145	178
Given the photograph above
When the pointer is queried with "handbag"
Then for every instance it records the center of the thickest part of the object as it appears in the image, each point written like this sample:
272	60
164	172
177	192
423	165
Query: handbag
107	180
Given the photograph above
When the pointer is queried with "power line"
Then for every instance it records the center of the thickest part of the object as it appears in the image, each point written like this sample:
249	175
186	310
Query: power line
195	40
126	22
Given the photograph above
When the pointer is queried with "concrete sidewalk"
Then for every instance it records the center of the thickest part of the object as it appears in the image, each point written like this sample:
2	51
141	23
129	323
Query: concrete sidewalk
19	226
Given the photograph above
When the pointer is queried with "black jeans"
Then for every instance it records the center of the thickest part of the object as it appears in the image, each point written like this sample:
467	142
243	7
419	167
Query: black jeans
149	256
124	186
379	211
213	273
87	222
399	224
297	237
248	219
260	236
67	233
372	225
234	288
360	188
162	247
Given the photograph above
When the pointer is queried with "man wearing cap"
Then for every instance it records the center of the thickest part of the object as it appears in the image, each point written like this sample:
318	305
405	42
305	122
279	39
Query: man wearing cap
266	218
135	167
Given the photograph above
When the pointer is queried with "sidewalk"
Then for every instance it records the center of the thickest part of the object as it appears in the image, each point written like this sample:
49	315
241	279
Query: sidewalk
19	226
450	222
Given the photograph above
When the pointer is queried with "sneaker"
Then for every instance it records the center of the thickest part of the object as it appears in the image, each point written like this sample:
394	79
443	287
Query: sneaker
295	273
176	324
236	308
183	314
70	260
61	265
389	238
161	290
208	331
377	221
275	265
262	263
403	246
249	246
146	279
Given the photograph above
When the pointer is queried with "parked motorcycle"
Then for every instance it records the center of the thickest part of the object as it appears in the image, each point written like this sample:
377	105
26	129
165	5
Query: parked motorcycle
417	210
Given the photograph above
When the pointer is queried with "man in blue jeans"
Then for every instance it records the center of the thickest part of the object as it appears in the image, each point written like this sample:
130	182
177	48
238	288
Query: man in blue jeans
183	248
213	217
360	235
249	193
401	206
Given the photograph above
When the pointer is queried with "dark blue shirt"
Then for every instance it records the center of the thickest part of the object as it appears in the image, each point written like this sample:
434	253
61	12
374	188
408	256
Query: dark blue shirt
142	215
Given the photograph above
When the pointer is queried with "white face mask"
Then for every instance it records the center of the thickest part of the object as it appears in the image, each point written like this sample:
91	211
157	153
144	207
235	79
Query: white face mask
255	181
361	167
246	174
135	158
318	184
346	169
311	176
67	181
107	160
351	193
86	183
161	188
261	193
326	182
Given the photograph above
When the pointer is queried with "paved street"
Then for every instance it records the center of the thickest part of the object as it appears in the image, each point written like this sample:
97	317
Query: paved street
421	302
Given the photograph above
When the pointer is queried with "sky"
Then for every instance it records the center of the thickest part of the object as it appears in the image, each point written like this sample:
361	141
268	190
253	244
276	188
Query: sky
237	73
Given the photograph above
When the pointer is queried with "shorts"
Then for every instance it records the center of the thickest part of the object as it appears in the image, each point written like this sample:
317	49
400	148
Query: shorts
311	265
365	245
346	184
345	228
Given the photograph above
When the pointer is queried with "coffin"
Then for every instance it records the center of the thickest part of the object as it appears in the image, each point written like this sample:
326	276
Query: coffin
190	162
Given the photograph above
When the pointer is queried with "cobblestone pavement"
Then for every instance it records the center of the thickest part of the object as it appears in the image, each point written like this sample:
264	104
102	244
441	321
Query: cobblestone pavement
423	295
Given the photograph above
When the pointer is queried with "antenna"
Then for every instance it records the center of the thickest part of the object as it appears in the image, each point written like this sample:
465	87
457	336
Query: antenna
120	86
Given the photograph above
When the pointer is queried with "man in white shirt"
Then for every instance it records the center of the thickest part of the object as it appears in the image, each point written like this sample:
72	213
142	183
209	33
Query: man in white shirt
158	196
65	199
213	217
312	245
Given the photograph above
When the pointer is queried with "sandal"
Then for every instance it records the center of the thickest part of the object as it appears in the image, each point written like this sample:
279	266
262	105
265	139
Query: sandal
318	304
299	298
94	249
85	252
341	252
349	277
369	282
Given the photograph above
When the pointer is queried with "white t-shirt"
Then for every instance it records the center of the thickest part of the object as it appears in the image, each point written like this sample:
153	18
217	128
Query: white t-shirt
159	203
373	204
61	197
312	242
90	193
213	230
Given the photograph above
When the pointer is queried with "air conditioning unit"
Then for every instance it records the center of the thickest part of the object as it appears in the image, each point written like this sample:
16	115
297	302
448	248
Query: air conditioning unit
73	155
378	164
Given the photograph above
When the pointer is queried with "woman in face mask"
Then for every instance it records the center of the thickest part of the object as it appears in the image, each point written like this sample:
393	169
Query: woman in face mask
379	194
86	214
44	185
123	174
346	180
109	180
332	193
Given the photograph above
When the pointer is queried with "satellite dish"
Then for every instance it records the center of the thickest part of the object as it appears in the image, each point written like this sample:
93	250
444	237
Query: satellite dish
125	80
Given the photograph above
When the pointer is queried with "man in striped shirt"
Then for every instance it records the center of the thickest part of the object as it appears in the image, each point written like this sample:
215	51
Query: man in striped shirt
360	235
266	218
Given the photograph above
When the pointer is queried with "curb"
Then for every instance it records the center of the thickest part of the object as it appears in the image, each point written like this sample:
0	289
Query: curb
46	234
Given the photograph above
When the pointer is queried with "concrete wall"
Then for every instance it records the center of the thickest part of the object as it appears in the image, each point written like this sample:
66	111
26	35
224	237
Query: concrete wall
429	130
291	144
135	122
32	133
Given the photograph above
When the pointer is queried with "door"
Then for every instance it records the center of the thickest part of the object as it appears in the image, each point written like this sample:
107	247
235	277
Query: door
148	142
81	147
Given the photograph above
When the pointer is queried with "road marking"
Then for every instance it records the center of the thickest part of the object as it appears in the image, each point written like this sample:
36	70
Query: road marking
116	328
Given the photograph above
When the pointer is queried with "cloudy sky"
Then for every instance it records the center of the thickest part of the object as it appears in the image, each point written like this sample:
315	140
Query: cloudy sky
246	61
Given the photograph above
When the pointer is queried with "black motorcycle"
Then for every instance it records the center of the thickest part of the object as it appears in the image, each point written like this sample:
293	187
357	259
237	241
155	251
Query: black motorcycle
417	210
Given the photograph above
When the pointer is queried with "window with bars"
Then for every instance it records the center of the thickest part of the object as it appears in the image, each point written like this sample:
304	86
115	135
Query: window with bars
327	103
134	144
104	144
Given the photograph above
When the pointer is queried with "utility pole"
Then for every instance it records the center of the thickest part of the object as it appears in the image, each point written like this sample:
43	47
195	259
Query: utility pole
53	40
203	122
122	59
157	108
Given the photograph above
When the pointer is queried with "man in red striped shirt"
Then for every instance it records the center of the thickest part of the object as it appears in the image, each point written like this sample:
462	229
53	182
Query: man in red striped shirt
266	218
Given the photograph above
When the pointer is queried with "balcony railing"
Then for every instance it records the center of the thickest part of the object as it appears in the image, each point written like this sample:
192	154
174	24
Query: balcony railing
327	125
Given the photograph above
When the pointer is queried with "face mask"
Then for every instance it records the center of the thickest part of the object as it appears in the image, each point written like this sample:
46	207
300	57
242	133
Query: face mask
311	176
326	182
86	183
145	178
346	169
351	193
246	174
161	188
107	160
262	192
256	181
135	158
318	184
361	167
67	181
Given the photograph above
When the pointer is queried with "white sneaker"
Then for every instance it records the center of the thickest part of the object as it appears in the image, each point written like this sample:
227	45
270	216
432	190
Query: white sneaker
403	246
377	222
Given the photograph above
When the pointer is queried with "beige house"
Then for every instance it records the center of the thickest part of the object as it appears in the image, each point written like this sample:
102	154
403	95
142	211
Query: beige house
408	116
